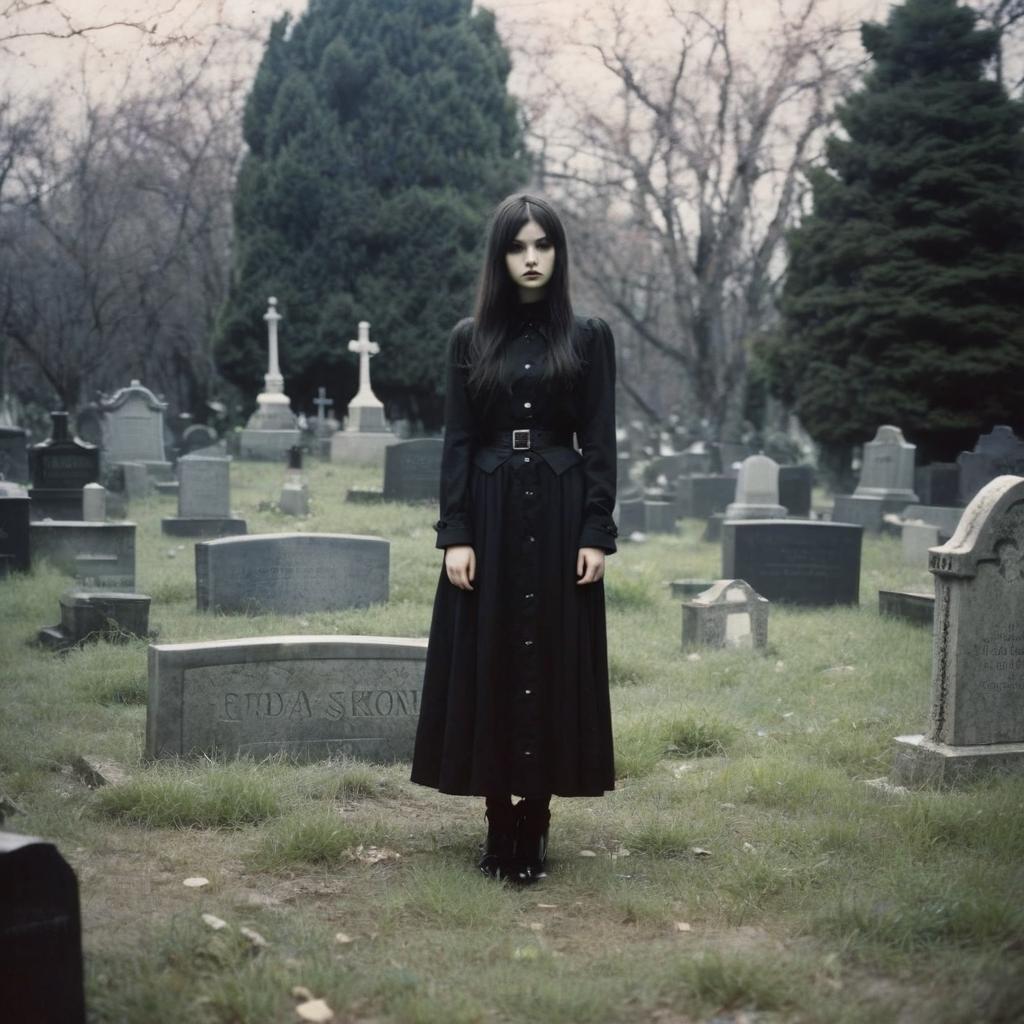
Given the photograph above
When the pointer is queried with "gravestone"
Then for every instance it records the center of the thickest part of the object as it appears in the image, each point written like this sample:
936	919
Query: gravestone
701	495
796	485
14	454
886	482
366	435
295	492
916	540
41	978
917	609
291	573
97	555
998	453
197	437
794	561
946	519
412	470
60	467
204	500
94	503
14	532
976	724
757	490
631	516
133	429
307	697
137	486
938	484
97	615
659	516
729	614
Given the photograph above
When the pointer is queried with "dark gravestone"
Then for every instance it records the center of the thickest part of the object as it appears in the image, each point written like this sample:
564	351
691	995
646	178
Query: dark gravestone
40	934
938	484
14	454
97	615
60	467
918	609
700	496
795	486
14	533
996	454
794	561
412	470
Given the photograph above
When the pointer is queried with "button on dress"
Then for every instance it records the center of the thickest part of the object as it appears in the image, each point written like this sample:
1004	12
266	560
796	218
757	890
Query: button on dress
515	692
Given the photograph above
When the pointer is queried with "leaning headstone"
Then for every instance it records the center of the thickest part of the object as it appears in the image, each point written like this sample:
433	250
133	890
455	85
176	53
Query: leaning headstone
998	453
794	561
94	503
938	484
14	532
916	540
97	615
295	492
917	609
796	485
204	500
307	697
412	470
757	490
701	495
886	482
60	467
98	555
14	454
976	723
366	434
729	614
133	430
41	976
291	573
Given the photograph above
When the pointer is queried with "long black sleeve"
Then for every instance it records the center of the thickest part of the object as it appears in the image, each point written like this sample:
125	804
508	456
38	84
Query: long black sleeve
597	439
460	437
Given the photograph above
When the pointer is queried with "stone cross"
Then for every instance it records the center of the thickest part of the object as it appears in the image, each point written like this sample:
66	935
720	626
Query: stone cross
365	348
322	403
273	381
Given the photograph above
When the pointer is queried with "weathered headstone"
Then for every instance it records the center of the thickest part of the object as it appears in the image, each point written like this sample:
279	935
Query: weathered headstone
998	453
886	482
291	573
97	555
97	615
295	492
14	532
976	723
918	609
133	429
308	697
729	614
94	503
938	484
796	485
366	434
14	454
204	500
41	976
412	470
794	561
60	467
757	490
700	495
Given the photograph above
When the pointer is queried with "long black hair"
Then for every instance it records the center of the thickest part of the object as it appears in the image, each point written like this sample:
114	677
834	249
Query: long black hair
497	301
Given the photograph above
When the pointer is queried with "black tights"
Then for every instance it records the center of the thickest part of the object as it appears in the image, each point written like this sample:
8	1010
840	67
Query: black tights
503	802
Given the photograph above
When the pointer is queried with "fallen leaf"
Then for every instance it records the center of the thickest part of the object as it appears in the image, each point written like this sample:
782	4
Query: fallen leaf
315	1010
254	937
683	926
196	883
216	923
587	853
699	851
342	939
301	992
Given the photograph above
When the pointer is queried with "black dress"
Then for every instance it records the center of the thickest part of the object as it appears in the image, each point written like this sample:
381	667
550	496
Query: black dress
515	692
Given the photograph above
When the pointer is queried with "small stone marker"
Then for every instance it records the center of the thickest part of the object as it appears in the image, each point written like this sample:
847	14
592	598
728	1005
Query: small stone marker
794	561
94	503
309	697
295	492
412	470
291	573
998	453
97	615
41	974
204	499
729	614
918	609
98	555
14	532
977	714
757	490
137	485
61	466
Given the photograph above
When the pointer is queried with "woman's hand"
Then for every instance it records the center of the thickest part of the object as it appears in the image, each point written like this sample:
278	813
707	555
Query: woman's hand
589	565
460	564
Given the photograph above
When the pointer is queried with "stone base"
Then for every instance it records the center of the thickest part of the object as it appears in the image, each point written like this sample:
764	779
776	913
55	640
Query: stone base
350	446
366	419
918	609
203	526
267	445
364	495
921	762
740	510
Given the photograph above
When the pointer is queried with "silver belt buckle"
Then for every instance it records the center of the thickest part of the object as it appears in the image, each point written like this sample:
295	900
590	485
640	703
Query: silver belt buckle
516	434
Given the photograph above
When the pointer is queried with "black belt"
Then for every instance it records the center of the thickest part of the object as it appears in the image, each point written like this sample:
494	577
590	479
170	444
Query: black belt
525	439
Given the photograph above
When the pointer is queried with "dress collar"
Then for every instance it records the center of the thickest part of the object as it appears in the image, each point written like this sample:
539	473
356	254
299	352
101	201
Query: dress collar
535	314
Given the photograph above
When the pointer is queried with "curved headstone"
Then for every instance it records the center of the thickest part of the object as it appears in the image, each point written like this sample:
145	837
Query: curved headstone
757	490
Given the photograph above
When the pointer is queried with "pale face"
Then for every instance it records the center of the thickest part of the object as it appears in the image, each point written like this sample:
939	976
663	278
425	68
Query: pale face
531	261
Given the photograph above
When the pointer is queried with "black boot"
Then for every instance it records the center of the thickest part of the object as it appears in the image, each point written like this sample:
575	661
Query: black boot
532	825
498	857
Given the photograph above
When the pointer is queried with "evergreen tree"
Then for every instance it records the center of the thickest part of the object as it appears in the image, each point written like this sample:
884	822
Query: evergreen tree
380	136
904	301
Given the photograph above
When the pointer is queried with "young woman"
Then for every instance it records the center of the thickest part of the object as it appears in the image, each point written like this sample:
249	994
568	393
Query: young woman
515	692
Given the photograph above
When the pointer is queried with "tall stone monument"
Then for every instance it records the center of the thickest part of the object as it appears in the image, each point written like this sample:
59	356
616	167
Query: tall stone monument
886	482
977	711
271	429
366	432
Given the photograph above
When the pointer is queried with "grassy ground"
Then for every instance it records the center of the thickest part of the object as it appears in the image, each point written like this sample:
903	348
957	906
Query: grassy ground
742	869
